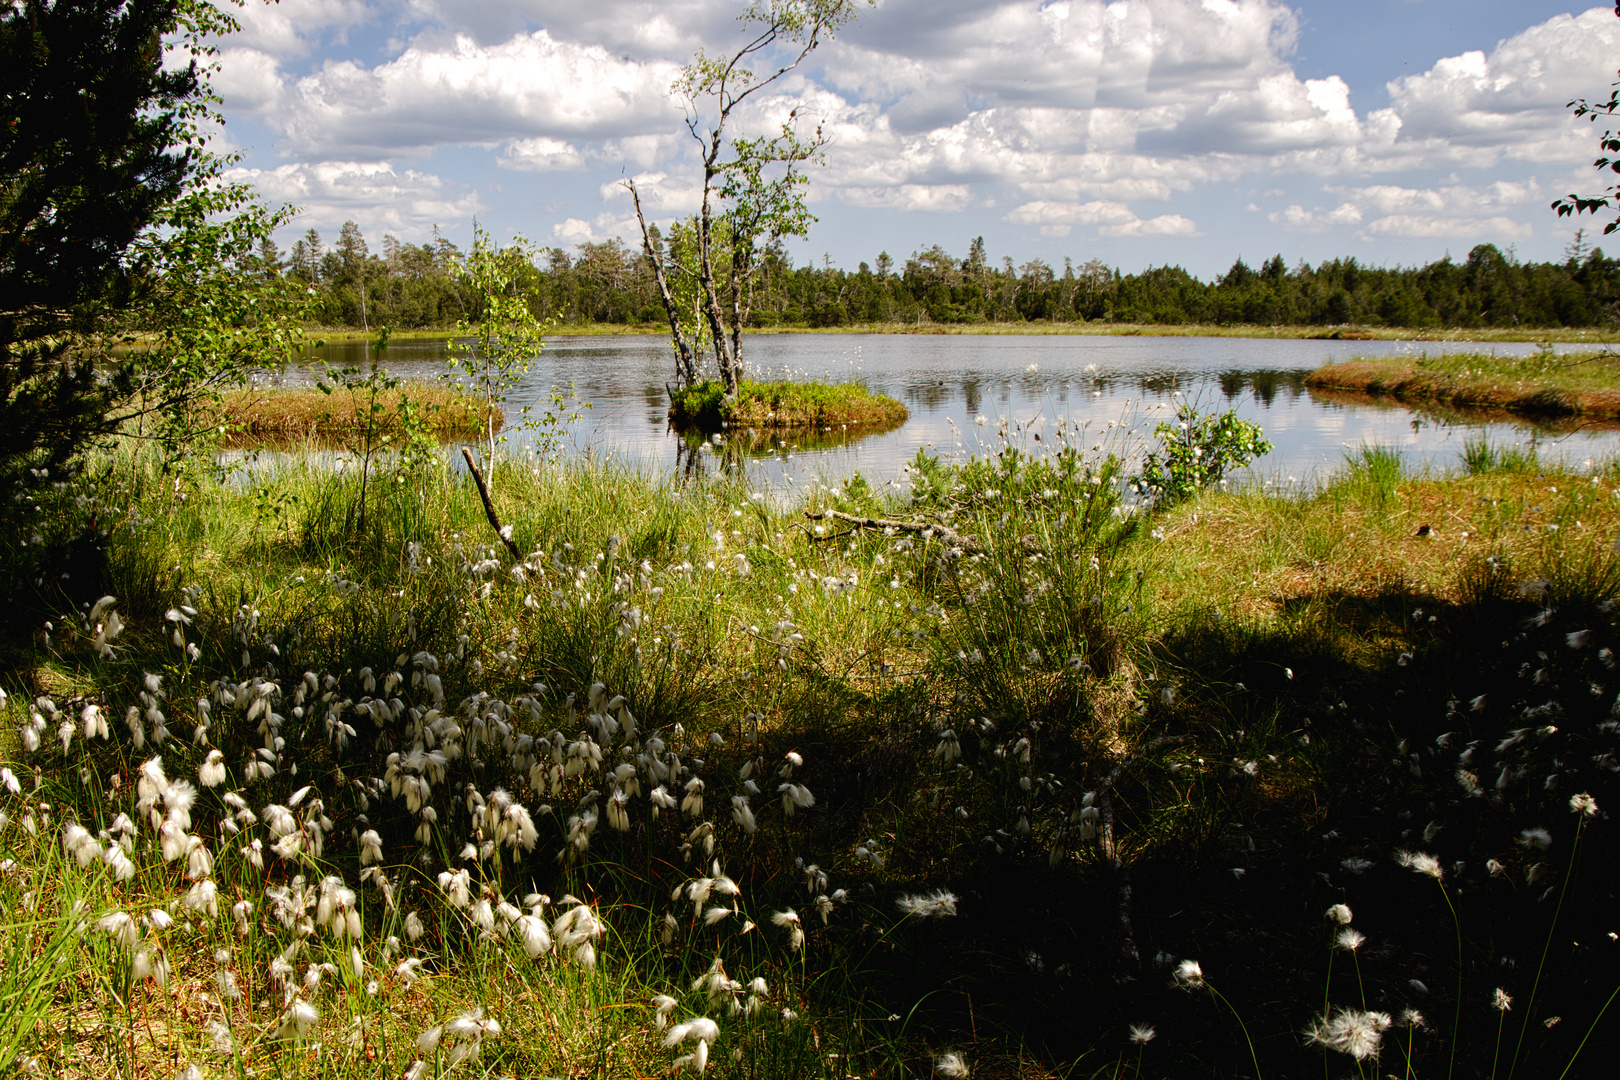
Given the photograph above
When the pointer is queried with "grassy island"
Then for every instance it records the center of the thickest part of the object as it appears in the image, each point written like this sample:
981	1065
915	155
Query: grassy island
1546	385
783	405
307	414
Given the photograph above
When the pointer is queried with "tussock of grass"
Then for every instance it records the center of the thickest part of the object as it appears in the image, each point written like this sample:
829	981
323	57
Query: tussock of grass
294	415
784	405
1578	384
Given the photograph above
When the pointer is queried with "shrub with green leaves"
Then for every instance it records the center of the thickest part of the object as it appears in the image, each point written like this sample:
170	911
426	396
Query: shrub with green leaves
1198	450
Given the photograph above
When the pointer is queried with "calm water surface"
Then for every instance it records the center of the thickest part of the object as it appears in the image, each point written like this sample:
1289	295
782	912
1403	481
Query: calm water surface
1034	383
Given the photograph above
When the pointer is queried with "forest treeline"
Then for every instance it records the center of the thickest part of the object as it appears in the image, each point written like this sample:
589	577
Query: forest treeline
405	286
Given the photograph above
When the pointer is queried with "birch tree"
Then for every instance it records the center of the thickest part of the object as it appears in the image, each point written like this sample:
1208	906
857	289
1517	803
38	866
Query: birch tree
752	188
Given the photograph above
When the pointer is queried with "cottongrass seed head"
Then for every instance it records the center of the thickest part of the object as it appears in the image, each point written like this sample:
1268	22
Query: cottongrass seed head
1421	862
937	904
1142	1034
1189	975
952	1065
1351	1031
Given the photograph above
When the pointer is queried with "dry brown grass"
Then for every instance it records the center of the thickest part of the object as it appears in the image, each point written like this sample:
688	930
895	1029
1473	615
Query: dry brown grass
1580	385
1270	557
306	414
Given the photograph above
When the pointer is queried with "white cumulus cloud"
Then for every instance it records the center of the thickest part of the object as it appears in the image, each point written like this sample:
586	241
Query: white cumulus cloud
378	197
1114	219
530	85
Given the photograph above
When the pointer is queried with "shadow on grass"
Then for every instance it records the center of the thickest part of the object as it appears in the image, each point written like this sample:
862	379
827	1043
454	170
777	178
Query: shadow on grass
1300	761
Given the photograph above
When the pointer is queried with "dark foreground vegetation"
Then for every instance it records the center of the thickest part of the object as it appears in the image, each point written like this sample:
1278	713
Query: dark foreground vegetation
982	792
410	285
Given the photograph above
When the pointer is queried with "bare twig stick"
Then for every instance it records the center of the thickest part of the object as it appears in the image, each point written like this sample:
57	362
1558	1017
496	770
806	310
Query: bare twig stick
489	506
925	528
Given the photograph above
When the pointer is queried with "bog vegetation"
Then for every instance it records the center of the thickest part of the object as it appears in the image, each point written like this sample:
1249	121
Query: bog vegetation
1580	385
1051	756
707	781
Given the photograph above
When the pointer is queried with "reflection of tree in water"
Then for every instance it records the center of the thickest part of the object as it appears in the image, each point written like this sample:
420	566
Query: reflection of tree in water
1265	384
971	395
1166	383
699	455
932	394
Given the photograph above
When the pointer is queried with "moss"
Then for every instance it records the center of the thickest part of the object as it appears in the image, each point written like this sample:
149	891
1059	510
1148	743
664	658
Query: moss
783	405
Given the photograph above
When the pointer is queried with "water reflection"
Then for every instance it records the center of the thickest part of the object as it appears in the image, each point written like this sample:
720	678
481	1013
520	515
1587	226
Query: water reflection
948	382
1445	415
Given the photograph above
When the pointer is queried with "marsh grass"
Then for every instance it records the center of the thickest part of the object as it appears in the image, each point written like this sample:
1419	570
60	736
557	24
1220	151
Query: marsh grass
291	416
1118	741
1542	384
784	405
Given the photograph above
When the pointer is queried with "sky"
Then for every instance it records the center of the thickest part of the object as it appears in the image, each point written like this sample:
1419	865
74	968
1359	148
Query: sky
1138	132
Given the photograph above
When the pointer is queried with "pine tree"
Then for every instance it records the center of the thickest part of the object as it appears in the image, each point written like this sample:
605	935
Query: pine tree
92	127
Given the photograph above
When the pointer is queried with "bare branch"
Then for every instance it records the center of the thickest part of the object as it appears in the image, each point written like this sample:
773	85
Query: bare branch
926	529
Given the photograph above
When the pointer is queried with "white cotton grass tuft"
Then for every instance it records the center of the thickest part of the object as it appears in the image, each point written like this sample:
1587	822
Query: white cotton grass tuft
1501	1001
1142	1034
1583	804
297	1022
1420	862
1340	913
951	1065
1349	939
789	921
937	904
1539	839
211	773
699	1028
1189	975
1350	1031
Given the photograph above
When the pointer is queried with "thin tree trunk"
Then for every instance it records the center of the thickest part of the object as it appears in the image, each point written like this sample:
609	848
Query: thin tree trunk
685	364
708	298
741	280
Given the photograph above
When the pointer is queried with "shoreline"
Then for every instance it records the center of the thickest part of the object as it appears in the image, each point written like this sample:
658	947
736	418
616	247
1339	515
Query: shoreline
1556	335
1577	385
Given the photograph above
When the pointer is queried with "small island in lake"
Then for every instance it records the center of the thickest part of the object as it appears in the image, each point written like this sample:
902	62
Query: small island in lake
707	407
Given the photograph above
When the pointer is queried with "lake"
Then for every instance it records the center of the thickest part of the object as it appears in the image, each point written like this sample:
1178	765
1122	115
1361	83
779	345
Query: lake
1033	383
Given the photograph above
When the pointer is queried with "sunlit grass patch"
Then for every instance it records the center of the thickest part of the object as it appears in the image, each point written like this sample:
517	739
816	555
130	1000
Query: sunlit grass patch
784	405
1541	384
294	415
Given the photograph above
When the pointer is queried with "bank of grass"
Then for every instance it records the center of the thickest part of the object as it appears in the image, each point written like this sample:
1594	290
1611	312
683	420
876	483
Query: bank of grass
784	405
1543	384
1253	691
295	415
1038	328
